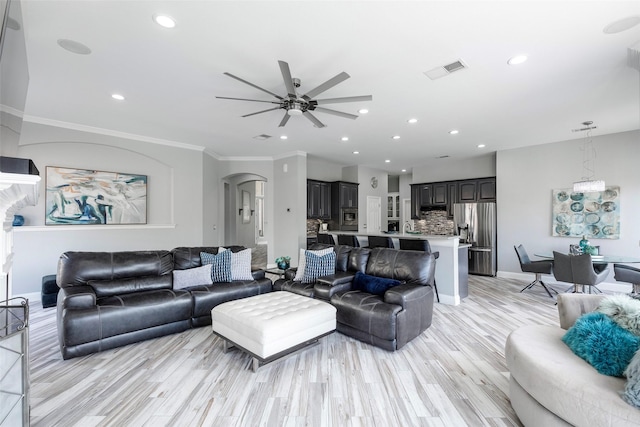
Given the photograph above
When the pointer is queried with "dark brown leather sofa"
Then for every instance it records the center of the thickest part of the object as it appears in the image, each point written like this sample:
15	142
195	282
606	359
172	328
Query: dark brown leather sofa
388	321
110	299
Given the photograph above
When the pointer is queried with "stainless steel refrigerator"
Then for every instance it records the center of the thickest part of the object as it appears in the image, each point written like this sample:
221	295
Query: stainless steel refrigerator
475	223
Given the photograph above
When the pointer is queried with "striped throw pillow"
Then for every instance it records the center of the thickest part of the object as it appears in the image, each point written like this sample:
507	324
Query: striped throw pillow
220	265
302	261
318	266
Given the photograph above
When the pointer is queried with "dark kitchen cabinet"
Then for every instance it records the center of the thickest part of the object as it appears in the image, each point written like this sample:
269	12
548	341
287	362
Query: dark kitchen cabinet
347	194
426	194
487	190
448	193
318	199
467	191
452	197
439	194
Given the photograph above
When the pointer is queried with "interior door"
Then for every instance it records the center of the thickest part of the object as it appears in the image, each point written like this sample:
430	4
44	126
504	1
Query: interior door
374	214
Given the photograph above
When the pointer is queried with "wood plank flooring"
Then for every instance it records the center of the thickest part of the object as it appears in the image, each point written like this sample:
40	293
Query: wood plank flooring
454	374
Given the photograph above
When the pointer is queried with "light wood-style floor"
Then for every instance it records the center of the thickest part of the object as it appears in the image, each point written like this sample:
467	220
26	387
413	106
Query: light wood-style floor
454	374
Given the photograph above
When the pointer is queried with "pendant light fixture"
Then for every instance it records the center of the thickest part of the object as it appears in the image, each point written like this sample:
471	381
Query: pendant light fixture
588	183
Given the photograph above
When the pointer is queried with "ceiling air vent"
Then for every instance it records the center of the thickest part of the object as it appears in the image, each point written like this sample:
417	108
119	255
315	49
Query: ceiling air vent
443	157
445	70
262	137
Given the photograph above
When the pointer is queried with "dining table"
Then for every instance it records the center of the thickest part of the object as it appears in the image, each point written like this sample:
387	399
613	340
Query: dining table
598	259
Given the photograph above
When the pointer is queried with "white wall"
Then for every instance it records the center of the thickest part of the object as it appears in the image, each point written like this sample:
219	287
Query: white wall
526	177
451	168
364	190
174	199
323	170
290	207
213	194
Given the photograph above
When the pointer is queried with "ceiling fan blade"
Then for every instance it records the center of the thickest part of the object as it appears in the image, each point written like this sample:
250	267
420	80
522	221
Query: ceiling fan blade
345	99
326	86
284	120
245	99
313	119
336	113
260	112
252	85
288	80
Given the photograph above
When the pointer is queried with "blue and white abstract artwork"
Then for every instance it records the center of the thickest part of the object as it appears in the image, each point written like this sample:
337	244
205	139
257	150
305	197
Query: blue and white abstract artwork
593	215
82	197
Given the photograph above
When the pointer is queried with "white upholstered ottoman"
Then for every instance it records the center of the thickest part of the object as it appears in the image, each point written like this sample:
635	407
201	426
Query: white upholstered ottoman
271	325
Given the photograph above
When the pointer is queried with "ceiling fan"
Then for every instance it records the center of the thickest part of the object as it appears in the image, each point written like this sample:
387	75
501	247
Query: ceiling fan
296	105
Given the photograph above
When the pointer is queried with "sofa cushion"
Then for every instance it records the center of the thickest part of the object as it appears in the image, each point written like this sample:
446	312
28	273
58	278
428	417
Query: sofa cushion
220	265
192	277
372	284
241	265
302	261
564	383
602	342
412	267
318	265
106	288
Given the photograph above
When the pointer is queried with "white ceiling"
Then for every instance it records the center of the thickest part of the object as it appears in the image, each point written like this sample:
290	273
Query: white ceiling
170	77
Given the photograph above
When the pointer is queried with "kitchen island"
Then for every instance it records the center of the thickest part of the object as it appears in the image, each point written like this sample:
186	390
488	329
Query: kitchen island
452	266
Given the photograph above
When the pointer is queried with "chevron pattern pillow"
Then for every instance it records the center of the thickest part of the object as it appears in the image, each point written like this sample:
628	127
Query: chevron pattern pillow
220	265
318	266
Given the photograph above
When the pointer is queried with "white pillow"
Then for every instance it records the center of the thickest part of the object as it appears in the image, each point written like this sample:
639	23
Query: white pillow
302	261
241	265
192	277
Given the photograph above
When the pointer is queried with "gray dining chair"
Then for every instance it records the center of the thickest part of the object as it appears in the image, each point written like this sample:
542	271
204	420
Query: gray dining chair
537	267
577	269
624	273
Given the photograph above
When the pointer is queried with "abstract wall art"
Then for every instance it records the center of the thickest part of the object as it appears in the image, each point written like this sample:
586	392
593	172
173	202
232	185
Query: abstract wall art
594	215
87	197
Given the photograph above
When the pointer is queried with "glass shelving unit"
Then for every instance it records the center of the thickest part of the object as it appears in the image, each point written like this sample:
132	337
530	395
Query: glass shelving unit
14	362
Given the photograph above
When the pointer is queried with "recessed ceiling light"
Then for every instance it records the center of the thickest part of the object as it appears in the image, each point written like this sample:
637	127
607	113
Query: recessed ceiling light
622	25
363	111
356	152
396	137
387	161
283	137
412	121
344	139
74	46
403	170
453	132
516	60
164	21
481	145
117	96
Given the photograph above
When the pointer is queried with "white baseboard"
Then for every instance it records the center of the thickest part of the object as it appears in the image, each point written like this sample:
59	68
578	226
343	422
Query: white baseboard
616	287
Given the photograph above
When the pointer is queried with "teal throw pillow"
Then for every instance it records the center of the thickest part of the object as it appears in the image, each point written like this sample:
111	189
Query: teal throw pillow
318	266
220	265
600	341
373	284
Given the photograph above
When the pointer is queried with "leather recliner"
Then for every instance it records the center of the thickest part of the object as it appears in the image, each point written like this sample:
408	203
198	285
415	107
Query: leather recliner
405	311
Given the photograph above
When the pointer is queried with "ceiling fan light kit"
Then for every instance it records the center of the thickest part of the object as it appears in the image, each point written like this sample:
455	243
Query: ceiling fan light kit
302	105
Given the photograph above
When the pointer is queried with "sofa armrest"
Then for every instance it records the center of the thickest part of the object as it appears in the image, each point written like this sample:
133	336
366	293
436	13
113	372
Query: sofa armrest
290	273
257	274
82	296
572	306
327	286
406	295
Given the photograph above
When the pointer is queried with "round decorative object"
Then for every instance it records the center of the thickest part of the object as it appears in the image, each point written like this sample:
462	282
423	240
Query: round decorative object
283	265
374	182
18	220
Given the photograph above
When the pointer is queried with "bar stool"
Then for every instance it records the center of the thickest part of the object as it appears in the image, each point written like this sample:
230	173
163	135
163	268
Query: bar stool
349	240
326	238
624	273
380	242
420	245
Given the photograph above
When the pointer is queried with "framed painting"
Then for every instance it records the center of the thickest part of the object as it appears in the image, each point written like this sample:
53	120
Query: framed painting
88	197
594	215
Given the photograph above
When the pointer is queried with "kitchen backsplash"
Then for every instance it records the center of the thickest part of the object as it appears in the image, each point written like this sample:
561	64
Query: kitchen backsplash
434	223
312	226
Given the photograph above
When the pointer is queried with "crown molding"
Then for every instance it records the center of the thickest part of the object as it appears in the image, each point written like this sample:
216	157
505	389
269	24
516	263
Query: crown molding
109	132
